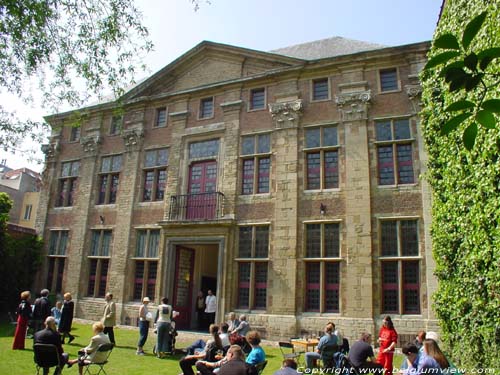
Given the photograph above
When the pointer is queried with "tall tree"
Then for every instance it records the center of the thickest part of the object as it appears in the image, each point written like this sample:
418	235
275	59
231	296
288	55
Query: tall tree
73	49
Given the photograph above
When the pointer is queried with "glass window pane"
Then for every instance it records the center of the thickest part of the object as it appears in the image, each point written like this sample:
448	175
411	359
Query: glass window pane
75	168
388	79
260	285
263	181
385	165
138	279
244	285
54	235
104	278
65	169
332	240
313	240
389	238
261	241
162	157
154	242
313	286
383	130
150	158
313	171
248	175
248	145
313	137
106	164
264	143
332	277
140	249
245	242
63	241
390	295
117	163
402	129
405	164
330	136
411	287
94	247
320	89
409	238
106	241
257	100
331	175
204	149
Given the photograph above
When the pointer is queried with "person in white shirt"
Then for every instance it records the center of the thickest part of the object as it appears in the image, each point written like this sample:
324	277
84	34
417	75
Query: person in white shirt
211	307
224	337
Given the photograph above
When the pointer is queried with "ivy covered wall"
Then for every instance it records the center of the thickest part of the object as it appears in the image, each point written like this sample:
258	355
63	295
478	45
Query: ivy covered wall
466	205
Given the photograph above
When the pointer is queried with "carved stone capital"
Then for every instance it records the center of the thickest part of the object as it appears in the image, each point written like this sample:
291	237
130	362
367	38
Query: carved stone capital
286	114
353	105
90	144
414	92
133	138
51	150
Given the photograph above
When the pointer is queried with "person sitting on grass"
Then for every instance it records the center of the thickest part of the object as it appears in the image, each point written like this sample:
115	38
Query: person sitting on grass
89	354
208	354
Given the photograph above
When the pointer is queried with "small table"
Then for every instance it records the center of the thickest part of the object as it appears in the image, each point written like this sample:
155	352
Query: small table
306	344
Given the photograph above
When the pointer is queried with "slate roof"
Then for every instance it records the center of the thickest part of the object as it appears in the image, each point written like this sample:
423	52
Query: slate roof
330	47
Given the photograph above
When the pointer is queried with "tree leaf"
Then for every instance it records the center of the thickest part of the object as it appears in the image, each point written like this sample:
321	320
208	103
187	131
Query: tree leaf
487	56
471	82
492	105
453	65
441	58
460	105
470	61
472	29
486	118
469	136
447	41
458	82
453	123
454	73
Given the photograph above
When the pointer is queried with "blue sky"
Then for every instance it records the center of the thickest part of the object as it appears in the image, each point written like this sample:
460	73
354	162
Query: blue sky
266	25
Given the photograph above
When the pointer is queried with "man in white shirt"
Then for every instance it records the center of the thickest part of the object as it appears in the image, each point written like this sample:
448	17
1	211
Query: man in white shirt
211	307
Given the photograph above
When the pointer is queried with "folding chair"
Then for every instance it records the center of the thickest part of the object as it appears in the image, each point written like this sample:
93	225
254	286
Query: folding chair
46	356
327	353
288	351
259	367
12	321
106	349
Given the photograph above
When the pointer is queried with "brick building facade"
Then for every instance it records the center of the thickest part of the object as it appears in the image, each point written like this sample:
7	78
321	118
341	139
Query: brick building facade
289	185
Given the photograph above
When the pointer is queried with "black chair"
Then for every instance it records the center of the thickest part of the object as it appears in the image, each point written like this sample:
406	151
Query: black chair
259	367
345	346
103	348
347	366
327	353
288	351
47	356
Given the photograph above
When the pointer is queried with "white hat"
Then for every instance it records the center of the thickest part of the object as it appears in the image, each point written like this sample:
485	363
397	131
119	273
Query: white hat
432	336
146	299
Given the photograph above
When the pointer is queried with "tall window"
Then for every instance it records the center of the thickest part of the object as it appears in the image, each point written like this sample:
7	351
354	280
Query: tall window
58	242
99	262
394	152
400	265
146	263
27	211
160	117
206	108
116	125
252	261
322	158
257	98
322	267
67	183
155	174
109	177
256	161
388	79
320	89
75	134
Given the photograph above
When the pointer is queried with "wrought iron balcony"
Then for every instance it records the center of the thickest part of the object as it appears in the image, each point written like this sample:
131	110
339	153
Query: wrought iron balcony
204	206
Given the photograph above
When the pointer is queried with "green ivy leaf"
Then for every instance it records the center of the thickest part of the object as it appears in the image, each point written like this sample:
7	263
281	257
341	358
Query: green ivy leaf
487	56
492	105
460	105
453	123
441	58
469	136
486	118
470	61
471	82
447	41
472	29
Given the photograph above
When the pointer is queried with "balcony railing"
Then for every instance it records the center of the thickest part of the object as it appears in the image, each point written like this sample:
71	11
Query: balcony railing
204	206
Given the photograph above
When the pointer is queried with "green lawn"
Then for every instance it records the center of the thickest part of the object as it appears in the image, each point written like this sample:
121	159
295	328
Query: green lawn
123	359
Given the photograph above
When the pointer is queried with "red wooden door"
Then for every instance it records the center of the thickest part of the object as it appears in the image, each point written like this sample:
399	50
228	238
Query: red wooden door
202	185
183	286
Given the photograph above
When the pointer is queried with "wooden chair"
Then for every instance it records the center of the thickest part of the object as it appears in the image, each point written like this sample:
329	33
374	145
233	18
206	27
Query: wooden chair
46	356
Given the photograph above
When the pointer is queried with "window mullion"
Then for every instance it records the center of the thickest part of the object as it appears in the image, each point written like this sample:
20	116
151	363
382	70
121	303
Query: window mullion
251	287
322	292
400	287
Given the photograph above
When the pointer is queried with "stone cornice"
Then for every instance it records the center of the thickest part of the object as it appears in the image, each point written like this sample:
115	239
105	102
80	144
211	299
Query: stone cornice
231	106
286	114
181	115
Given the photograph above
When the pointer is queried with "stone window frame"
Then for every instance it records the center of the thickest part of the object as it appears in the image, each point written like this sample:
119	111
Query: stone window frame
156	169
28	209
150	262
67	183
56	258
157	123
201	108
255	263
115	125
97	285
109	179
75	134
256	158
394	142
401	261
380	71
312	90
324	262
322	150
251	105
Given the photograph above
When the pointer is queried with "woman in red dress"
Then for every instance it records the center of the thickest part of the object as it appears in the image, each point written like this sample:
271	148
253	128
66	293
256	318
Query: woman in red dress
23	316
387	339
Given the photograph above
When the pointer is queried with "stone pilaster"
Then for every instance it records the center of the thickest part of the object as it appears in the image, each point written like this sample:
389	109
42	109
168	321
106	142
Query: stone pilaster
283	267
357	294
